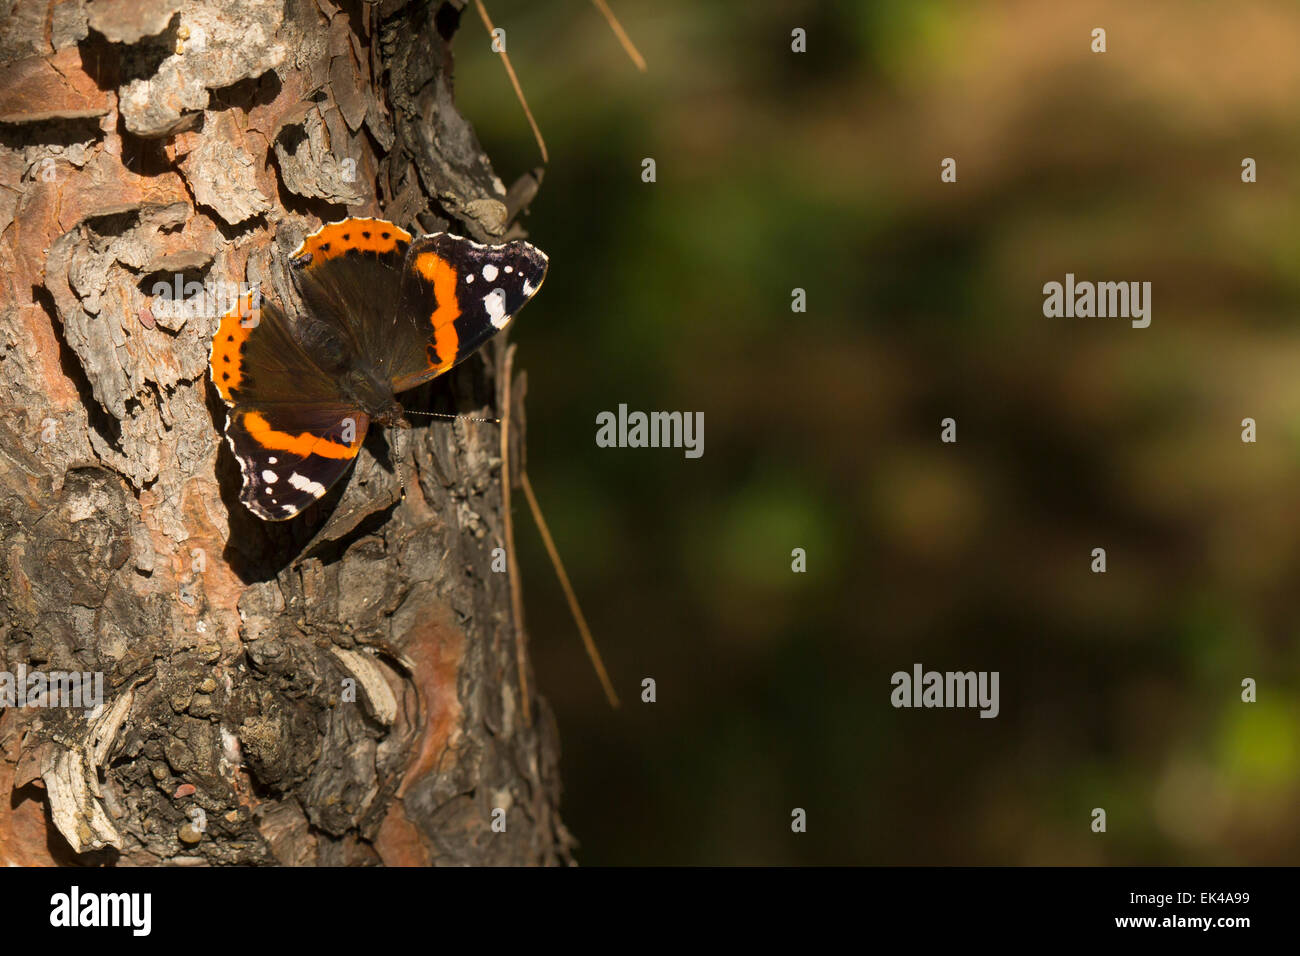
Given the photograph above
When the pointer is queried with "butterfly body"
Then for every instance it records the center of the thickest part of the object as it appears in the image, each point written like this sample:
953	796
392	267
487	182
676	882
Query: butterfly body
382	312
372	396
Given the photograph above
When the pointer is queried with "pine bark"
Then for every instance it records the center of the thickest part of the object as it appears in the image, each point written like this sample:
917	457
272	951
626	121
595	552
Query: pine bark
141	140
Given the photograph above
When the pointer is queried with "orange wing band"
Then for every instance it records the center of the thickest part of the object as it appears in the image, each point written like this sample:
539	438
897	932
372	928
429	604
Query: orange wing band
337	238
443	319
228	342
302	444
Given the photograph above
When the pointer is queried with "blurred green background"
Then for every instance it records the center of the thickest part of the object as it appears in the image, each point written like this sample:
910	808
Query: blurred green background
820	170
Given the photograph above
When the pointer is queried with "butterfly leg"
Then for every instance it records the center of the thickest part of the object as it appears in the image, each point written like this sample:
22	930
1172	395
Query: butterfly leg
401	428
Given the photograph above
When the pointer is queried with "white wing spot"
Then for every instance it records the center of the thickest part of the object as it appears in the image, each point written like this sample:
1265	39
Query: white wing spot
495	303
303	483
490	272
469	278
529	288
509	269
270	477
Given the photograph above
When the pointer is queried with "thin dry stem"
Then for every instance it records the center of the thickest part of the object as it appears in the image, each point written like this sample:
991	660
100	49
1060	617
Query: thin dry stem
514	80
619	32
572	598
516	588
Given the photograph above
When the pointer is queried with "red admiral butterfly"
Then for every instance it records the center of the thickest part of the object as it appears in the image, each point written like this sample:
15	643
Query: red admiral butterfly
383	313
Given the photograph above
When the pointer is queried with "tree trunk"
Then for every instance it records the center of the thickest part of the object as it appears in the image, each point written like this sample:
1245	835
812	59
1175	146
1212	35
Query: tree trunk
341	688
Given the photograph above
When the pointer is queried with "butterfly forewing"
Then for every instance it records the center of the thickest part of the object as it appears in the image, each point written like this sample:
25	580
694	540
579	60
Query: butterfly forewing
347	275
455	295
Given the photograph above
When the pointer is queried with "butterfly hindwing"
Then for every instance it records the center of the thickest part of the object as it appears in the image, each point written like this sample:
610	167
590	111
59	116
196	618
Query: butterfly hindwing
455	295
290	455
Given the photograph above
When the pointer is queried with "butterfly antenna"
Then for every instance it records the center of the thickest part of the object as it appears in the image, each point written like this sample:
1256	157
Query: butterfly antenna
514	80
633	53
455	418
